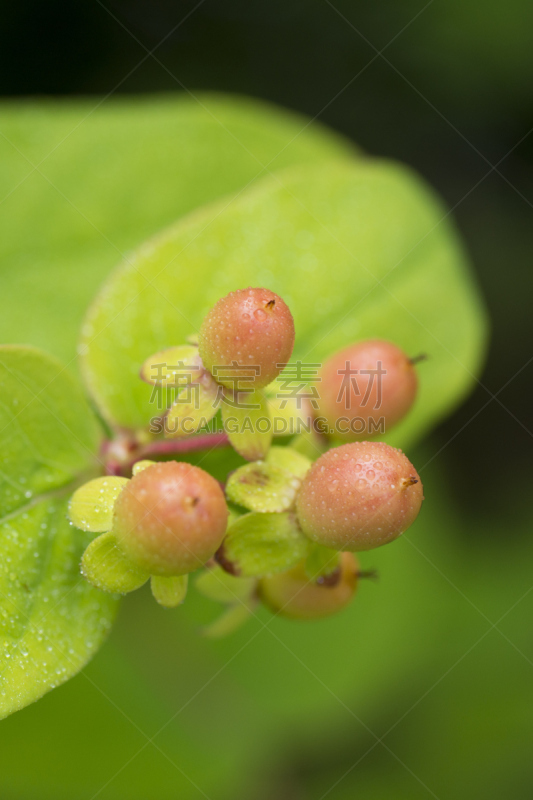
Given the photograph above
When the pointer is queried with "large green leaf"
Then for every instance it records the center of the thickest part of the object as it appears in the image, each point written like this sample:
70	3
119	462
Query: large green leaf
109	175
355	248
51	620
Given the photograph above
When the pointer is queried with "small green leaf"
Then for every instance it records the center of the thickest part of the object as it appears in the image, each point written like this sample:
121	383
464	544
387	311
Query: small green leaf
51	620
217	584
262	544
321	561
106	567
262	487
290	460
169	591
91	506
172	367
228	622
195	405
248	425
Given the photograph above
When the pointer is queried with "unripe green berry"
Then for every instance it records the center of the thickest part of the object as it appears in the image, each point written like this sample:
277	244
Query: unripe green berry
359	496
170	518
292	594
367	382
252	329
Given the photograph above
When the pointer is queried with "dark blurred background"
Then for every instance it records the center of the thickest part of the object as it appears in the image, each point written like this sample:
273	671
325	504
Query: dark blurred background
446	86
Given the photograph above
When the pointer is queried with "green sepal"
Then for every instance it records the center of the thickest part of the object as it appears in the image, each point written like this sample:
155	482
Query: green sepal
290	460
228	622
195	405
169	591
91	506
310	444
249	429
270	485
262	487
233	514
321	562
140	465
218	585
288	416
172	367
105	566
262	544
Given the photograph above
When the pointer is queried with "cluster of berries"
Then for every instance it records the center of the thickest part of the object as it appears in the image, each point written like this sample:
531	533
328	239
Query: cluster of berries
283	529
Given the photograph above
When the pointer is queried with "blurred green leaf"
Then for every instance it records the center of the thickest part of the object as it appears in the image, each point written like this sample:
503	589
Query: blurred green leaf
109	175
48	434
51	620
356	249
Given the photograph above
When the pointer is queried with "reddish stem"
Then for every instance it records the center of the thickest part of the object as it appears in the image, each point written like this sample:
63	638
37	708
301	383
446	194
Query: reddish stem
204	441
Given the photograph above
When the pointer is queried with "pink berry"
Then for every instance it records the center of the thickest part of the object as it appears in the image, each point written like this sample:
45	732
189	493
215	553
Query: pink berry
363	384
246	338
170	518
293	595
359	496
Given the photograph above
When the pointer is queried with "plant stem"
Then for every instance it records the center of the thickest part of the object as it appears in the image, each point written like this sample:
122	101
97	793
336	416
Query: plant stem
123	465
203	441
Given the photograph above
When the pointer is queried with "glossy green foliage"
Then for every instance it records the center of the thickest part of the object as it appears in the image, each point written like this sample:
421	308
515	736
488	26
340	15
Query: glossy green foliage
85	181
48	434
51	620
